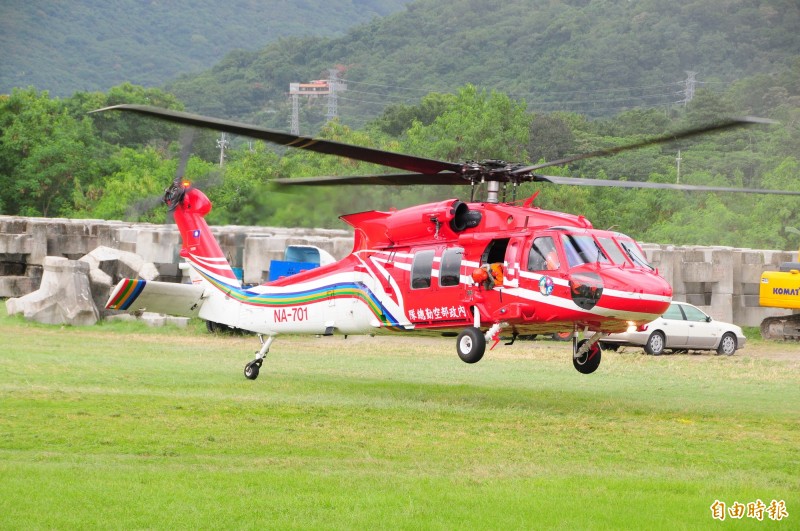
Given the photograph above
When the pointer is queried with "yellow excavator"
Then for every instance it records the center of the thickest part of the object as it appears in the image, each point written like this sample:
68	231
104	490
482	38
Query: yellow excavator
781	289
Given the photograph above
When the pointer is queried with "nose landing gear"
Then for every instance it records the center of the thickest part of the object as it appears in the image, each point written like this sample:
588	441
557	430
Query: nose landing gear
586	354
251	369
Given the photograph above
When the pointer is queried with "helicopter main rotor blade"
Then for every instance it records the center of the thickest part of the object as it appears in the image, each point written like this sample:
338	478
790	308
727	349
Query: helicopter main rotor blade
732	123
392	179
577	181
187	137
329	147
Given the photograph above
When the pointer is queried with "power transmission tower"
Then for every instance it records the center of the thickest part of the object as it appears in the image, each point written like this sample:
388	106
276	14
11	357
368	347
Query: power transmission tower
312	90
333	84
295	125
688	91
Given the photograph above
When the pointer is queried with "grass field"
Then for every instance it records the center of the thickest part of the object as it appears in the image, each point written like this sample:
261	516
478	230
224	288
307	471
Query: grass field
120	426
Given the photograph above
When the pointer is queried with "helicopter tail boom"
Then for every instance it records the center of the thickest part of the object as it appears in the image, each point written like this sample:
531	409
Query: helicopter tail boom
134	295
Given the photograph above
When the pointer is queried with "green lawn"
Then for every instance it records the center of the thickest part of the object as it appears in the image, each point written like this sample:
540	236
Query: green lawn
120	426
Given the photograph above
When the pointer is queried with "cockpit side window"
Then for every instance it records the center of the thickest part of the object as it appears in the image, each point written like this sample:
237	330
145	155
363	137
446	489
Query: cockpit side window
610	247
633	252
543	255
582	249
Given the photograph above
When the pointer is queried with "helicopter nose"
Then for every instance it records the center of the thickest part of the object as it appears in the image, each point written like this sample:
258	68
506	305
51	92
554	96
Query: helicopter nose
639	291
637	281
586	289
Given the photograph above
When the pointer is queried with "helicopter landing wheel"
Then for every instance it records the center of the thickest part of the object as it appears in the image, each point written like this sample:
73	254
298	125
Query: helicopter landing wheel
590	360
252	368
471	344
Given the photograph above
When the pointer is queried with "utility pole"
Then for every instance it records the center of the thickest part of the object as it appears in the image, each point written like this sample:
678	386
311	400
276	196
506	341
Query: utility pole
678	160
688	91
222	144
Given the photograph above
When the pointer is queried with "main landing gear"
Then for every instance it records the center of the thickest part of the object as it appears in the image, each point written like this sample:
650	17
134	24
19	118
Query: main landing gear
471	345
252	368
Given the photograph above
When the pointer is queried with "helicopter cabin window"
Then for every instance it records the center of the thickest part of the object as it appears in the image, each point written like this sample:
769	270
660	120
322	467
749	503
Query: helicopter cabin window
633	252
543	255
495	252
421	269
450	271
610	247
582	249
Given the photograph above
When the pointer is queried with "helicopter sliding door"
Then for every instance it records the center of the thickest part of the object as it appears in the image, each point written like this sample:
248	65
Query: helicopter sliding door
436	291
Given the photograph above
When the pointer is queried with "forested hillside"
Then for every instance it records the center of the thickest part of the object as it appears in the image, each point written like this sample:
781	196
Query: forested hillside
596	57
549	79
64	47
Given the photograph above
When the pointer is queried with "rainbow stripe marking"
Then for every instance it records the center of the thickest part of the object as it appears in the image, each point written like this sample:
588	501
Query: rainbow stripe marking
342	290
126	294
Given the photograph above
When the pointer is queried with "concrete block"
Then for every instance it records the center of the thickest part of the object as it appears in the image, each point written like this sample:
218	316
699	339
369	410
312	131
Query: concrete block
13	225
722	270
258	252
153	319
158	245
64	296
751	273
127	235
695	271
180	322
18	286
121	317
100	284
148	271
38	232
12	265
698	299
15	243
721	307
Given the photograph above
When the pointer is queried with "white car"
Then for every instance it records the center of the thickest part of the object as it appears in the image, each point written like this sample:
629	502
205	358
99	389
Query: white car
682	327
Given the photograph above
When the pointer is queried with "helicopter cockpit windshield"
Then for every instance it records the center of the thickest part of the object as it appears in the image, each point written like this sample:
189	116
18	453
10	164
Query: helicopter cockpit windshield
582	249
613	248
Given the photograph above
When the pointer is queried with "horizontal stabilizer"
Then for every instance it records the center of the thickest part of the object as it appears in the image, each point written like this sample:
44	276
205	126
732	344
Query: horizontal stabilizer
131	295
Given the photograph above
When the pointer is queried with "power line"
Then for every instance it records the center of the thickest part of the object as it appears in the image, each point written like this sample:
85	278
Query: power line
594	101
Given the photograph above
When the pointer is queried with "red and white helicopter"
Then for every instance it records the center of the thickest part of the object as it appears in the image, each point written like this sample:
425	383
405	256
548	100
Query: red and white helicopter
477	268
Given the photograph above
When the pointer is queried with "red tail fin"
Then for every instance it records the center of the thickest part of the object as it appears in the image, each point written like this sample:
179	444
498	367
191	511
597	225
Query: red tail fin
199	245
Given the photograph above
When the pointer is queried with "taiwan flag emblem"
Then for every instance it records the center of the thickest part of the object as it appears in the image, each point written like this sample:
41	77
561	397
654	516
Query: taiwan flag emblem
196	233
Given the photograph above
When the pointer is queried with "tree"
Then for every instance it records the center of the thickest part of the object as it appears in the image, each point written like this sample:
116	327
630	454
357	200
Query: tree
398	118
44	155
240	196
475	125
124	129
550	138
